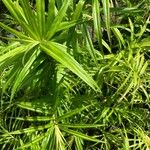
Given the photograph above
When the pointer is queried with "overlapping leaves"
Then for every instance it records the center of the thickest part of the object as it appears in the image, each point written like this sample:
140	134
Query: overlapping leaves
38	29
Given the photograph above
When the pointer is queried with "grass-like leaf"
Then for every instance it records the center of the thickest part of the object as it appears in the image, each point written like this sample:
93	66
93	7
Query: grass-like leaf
59	53
81	135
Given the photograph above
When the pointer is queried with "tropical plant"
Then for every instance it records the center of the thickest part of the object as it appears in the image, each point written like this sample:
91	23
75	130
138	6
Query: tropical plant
75	75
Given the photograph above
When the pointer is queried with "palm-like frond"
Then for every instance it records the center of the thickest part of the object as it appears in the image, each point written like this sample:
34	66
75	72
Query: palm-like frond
56	53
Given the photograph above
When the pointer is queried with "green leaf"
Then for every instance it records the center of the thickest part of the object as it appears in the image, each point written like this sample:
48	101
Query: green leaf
55	24
37	118
40	9
119	36
78	10
41	105
59	53
97	22
145	42
90	46
79	143
80	126
60	145
23	73
24	16
81	135
27	130
16	33
31	143
106	46
32	26
67	25
13	9
18	50
72	112
132	29
106	10
51	15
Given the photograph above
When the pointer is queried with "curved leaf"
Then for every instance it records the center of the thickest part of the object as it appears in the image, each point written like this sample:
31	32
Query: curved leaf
58	52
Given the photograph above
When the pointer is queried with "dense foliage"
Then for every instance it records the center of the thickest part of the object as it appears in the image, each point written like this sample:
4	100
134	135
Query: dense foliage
75	75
